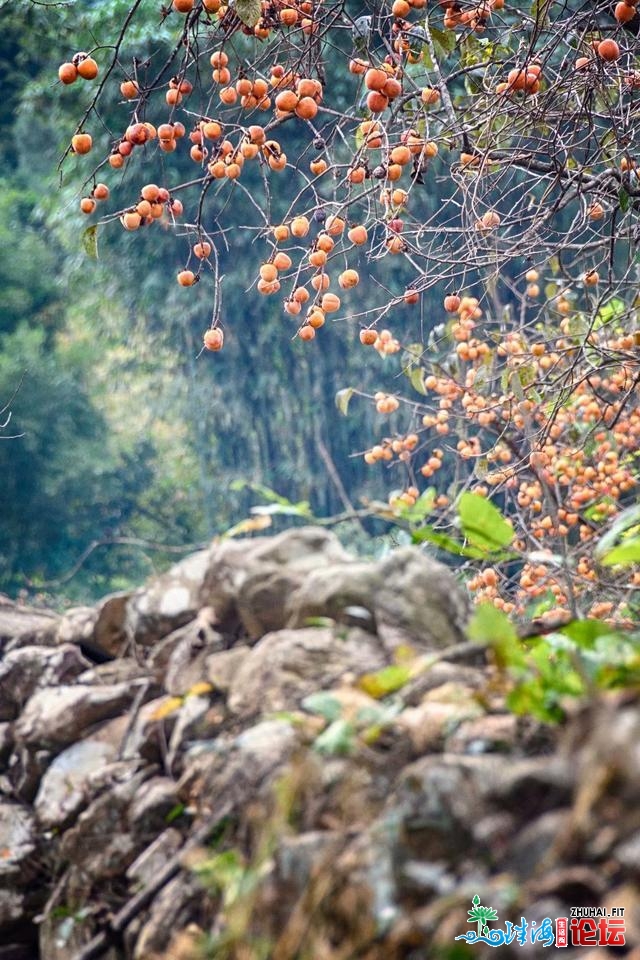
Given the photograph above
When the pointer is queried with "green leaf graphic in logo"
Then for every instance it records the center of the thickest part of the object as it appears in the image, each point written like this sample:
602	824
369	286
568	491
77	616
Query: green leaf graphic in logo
481	915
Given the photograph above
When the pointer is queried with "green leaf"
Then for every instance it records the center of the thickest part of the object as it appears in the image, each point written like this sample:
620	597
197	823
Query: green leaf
623	200
319	622
420	509
301	509
175	812
90	241
416	378
584	633
614	309
249	11
444	41
385	681
342	399
324	704
526	374
445	542
337	740
482	523
628	518
492	628
625	553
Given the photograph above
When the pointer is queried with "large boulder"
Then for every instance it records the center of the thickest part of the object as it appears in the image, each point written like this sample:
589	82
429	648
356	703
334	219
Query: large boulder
100	629
25	669
248	581
166	602
411	598
57	716
21	625
286	666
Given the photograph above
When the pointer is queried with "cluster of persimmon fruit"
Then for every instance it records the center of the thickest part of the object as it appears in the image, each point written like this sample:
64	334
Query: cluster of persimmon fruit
221	150
563	474
383	151
563	470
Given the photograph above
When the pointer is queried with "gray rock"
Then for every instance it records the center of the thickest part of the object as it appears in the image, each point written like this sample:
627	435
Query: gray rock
168	601
439	673
196	635
122	670
21	625
55	717
488	734
533	847
100	628
426	879
440	799
573	885
100	843
187	664
12	907
26	768
248	580
239	769
151	861
17	842
420	598
26	668
299	857
285	667
531	787
412	599
262	601
149	734
65	787
153	802
6	741
195	720
627	853
428	724
221	668
180	902
65	929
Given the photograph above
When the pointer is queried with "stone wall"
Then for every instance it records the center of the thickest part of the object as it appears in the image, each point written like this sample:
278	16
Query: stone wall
199	770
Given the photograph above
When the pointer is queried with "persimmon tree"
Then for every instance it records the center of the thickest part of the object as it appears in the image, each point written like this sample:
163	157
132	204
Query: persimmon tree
484	150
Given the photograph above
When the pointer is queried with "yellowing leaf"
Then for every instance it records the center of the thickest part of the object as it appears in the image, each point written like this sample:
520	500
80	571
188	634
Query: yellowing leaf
167	707
250	525
90	241
404	653
342	399
385	681
200	689
249	11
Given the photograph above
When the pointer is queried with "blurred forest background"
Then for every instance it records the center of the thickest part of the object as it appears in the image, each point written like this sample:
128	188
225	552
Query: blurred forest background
121	431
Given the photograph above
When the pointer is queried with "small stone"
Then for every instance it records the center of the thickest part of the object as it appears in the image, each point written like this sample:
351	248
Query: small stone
26	668
17	842
152	804
488	734
151	861
65	786
222	667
